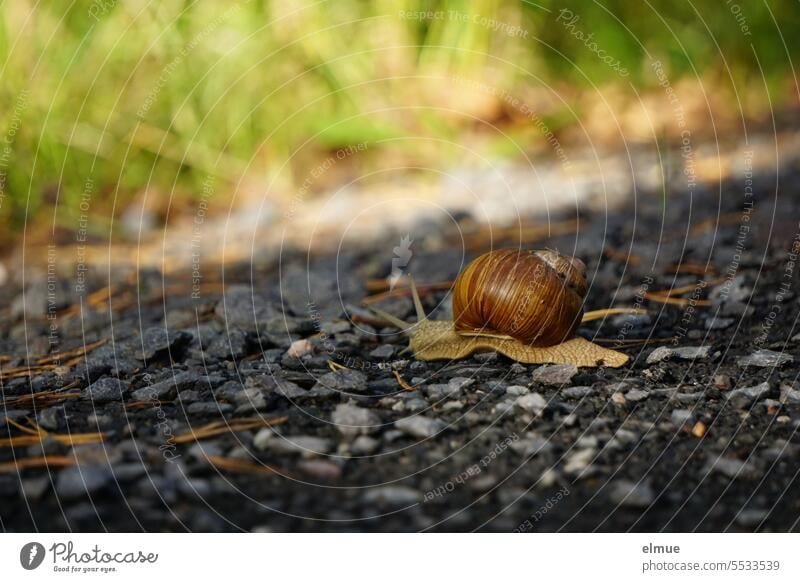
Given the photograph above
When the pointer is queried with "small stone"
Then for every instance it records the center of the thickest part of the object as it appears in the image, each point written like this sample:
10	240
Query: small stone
156	340
717	323
394	495
733	468
105	390
534	403
208	408
166	389
306	446
452	389
578	461
765	359
233	344
631	321
364	445
751	517
351	420
516	390
689	353
743	397
343	381
300	348
618	398
78	481
34	488
530	446
51	418
554	375
321	469
637	494
576	392
420	426
790	393
636	395
383	352
263	439
682	418
722	382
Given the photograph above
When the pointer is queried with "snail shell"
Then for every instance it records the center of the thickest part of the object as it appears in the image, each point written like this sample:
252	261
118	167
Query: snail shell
535	297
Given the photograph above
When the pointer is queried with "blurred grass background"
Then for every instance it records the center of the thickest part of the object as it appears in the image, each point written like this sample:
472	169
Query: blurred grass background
103	100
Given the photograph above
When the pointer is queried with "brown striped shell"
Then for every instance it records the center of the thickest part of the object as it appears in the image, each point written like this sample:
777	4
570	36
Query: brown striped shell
535	297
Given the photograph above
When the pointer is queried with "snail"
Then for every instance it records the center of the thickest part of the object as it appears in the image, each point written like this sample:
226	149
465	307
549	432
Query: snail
526	305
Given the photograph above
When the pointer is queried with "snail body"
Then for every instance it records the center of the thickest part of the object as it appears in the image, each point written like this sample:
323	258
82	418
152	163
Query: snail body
526	305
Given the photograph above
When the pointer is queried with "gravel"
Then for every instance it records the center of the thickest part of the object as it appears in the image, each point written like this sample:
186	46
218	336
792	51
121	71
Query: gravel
534	403
744	397
663	353
420	426
74	482
351	420
632	494
105	390
554	375
765	359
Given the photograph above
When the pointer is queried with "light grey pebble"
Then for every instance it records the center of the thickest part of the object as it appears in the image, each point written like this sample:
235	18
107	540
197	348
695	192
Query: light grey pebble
352	420
533	402
304	445
35	487
632	493
50	418
733	468
383	352
554	374
517	390
441	391
166	389
208	408
765	359
576	391
690	353
105	390
751	517
635	395
529	446
80	480
682	418
420	426
262	439
321	469
743	397
365	445
578	461
790	393
631	320
394	495
717	323
343	381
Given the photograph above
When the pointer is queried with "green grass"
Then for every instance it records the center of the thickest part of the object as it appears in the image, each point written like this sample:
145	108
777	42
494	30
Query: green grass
159	95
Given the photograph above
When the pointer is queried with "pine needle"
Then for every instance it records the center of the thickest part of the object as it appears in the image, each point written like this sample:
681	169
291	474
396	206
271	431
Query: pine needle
52	461
601	313
403	384
240	466
222	427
